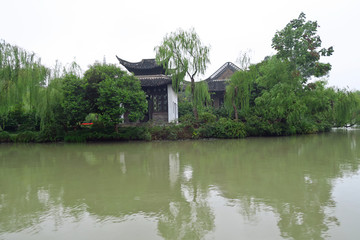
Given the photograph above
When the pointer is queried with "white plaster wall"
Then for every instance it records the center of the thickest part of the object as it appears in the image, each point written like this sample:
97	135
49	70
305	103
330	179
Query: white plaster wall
172	104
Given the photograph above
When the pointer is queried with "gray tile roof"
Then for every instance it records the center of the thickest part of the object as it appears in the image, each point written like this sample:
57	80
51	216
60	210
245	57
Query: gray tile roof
216	82
154	80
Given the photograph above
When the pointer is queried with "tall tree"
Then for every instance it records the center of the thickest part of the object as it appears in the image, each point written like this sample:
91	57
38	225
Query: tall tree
22	76
300	44
183	54
238	91
74	104
94	76
119	94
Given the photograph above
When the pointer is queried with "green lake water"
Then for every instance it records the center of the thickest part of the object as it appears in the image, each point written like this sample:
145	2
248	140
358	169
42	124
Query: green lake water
301	187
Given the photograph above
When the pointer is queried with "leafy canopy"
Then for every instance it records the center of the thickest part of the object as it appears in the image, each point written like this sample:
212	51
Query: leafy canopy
182	54
300	44
118	93
75	107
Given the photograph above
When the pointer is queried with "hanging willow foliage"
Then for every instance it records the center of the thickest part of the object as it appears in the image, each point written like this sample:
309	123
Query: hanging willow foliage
238	92
49	108
346	108
201	94
21	78
26	84
182	54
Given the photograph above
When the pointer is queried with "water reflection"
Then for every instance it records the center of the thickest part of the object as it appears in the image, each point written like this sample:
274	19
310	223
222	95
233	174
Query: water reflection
185	190
174	168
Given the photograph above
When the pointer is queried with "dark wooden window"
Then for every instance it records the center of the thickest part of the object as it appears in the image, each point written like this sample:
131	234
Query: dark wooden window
158	96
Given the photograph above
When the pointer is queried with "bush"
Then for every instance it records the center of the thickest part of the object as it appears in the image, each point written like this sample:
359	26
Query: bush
171	132
51	133
4	137
220	112
74	137
26	137
185	108
124	134
147	136
187	119
206	117
131	133
224	128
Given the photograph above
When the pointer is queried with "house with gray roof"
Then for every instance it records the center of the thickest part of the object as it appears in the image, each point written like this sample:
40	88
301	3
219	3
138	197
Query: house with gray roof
217	83
162	99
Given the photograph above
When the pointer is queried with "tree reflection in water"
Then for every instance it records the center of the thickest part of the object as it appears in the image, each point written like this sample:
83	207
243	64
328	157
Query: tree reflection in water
172	182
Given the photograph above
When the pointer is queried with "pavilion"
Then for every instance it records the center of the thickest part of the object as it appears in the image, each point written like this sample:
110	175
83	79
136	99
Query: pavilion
162	99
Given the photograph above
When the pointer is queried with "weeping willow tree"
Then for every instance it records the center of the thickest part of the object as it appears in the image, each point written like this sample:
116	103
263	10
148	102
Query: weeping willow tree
30	88
346	108
201	96
21	79
182	54
49	108
238	92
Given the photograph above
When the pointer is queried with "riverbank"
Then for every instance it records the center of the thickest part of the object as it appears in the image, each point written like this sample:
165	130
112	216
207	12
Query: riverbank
222	128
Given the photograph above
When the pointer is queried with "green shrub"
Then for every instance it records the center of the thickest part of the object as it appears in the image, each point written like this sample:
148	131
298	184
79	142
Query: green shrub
131	133
75	137
26	137
224	128
158	132
187	119
185	131
185	108
230	128
220	112
4	137
206	117
147	136
51	133
170	132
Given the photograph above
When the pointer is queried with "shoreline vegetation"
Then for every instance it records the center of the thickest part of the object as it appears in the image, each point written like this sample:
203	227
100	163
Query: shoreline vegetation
285	94
145	132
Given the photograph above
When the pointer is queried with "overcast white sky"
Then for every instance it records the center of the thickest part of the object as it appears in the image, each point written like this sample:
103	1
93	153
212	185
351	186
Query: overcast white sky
88	30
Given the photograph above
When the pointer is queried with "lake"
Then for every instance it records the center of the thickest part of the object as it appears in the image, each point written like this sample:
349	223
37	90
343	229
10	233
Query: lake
299	187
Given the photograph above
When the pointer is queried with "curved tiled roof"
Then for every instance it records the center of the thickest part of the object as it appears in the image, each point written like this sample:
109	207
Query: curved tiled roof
154	80
218	80
144	67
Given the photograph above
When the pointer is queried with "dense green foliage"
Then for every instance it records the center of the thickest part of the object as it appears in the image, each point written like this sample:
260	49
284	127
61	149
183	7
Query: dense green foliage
74	104
299	44
42	104
273	97
278	96
116	94
22	78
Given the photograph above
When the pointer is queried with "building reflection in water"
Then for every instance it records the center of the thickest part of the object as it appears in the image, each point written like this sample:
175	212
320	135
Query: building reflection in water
186	190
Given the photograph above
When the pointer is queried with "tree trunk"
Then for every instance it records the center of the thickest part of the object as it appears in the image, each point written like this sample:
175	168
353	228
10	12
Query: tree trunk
193	99
235	111
234	105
